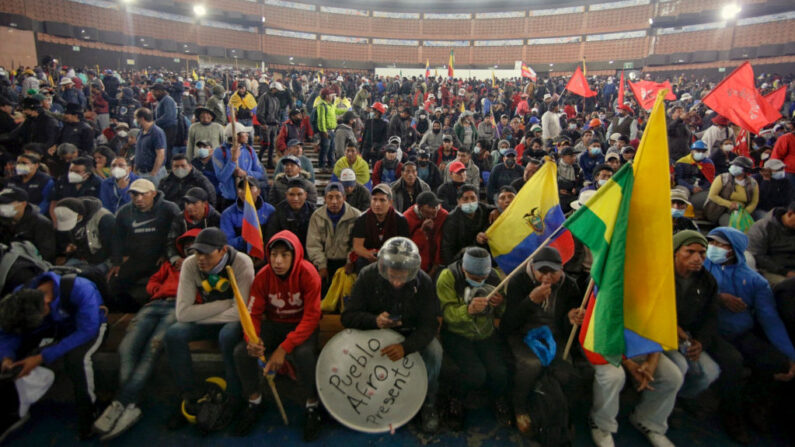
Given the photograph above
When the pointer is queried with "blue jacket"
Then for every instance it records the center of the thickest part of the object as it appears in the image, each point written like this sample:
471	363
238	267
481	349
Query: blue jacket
75	319
740	280
588	163
111	196
232	222
166	113
225	169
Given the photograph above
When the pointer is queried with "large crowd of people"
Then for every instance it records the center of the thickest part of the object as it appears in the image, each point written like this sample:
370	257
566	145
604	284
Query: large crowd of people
127	192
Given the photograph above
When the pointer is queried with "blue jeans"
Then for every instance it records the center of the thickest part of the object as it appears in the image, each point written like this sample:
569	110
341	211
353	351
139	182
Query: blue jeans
326	150
180	334
432	356
141	347
698	375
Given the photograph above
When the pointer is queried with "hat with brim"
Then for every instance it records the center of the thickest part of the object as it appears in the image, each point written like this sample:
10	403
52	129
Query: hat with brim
199	110
11	194
625	108
196	194
142	186
65	218
66	81
209	240
548	257
584	197
679	195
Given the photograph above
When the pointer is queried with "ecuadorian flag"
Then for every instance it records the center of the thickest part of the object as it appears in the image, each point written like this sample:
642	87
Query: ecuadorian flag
627	227
530	219
251	231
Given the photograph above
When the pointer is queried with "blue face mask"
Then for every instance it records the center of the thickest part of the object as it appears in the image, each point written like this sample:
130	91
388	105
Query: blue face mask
469	208
596	151
717	254
676	212
473	283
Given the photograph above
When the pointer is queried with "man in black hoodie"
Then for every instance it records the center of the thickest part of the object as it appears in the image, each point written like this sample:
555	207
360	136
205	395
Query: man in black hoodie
139	243
183	178
292	213
21	221
38	127
85	232
76	130
197	213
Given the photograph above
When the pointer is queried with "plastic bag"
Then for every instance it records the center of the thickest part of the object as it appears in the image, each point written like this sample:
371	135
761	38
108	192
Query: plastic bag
741	219
338	292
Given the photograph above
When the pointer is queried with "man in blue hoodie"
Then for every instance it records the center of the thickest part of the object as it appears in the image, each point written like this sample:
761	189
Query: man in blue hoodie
745	296
67	310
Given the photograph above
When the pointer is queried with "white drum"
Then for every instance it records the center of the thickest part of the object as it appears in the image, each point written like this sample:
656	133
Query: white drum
364	390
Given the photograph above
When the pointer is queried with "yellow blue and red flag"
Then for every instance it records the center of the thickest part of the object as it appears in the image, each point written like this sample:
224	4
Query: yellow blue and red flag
532	217
427	68
251	231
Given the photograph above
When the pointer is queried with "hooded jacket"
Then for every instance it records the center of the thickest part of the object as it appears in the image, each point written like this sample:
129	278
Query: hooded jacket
165	283
232	222
174	188
293	298
142	235
430	250
454	291
32	227
93	235
326	241
182	224
75	320
741	281
459	231
415	302
772	244
111	196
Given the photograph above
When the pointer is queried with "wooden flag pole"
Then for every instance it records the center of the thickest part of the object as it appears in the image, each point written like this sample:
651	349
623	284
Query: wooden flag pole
584	303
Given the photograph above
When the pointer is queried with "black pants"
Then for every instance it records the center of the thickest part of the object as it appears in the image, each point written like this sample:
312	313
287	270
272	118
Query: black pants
730	382
303	357
529	369
171	140
479	362
268	135
128	289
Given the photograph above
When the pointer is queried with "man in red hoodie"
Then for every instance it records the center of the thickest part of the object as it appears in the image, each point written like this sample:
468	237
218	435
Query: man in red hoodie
285	309
425	219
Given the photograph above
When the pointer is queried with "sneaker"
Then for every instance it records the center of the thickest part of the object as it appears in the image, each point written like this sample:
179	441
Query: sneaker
656	439
601	438
456	415
247	419
129	417
312	423
502	412
430	418
9	425
104	424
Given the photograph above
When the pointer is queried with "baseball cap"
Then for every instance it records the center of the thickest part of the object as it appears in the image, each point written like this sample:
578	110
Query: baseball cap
383	188
774	164
717	237
11	194
568	150
611	156
196	194
447	138
615	136
548	257
293	142
291	159
457	166
209	240
347	176
142	186
679	195
390	148
427	198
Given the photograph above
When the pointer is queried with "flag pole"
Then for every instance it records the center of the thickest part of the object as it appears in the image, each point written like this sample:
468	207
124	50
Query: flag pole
521	266
588	291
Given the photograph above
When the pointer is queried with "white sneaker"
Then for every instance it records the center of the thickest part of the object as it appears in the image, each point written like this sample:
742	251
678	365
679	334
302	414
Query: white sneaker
656	439
131	415
108	419
602	438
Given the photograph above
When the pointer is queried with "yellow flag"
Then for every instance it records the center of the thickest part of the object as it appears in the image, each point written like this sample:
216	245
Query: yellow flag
242	310
493	79
194	75
649	271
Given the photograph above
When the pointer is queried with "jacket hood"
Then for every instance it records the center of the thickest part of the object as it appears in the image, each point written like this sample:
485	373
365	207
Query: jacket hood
737	239
292	240
92	205
56	279
192	233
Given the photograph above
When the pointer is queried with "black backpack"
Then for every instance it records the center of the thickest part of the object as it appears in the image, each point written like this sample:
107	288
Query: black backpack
215	410
549	412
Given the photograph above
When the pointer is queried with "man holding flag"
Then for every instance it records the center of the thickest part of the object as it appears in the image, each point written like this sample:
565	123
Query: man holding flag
634	317
285	311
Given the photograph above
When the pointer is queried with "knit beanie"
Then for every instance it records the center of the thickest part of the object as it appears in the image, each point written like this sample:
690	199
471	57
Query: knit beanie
476	261
687	237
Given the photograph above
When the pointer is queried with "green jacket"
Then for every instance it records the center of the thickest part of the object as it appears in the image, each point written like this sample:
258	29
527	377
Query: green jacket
460	132
451	287
327	115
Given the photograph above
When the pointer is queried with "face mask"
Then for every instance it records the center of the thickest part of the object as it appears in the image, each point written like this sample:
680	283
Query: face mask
510	162
122	134
8	210
778	175
698	156
297	121
503	151
469	208
676	212
717	254
727	147
735	170
601	182
437	130
118	173
23	169
765	156
596	150
477	150
473	283
74	177
572	126
203	152
181	172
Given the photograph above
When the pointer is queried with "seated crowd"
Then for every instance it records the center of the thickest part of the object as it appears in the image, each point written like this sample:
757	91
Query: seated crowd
132	197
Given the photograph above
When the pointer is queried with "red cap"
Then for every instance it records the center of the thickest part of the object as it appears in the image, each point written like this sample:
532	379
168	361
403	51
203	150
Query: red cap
626	107
720	120
457	166
379	107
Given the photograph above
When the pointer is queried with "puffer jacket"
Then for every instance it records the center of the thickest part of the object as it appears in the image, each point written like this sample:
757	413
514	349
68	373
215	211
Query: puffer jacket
324	241
772	244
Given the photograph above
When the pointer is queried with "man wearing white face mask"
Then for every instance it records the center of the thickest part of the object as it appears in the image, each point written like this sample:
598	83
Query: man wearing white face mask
696	172
21	221
113	190
35	182
182	178
203	162
774	188
78	182
732	190
204	129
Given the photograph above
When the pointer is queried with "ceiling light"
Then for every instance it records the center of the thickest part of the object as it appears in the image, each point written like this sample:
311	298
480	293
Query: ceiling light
199	10
730	11
651	21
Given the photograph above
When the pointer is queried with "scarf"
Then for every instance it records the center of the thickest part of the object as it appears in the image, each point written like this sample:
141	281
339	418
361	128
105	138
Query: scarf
566	171
707	169
335	217
377	235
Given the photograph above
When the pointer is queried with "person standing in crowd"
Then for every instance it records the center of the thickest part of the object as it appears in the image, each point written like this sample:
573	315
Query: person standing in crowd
216	104
327	112
296	128
624	123
717	133
165	116
465	131
550	123
285	310
344	133
268	115
393	293
150	148
375	133
205	129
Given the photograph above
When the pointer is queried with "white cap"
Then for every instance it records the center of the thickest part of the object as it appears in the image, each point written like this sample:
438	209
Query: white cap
340	78
239	127
615	136
65	218
585	196
685	96
774	164
65	81
547	96
278	86
347	175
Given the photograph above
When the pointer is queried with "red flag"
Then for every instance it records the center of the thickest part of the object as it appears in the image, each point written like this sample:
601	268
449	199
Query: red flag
528	72
741	143
578	85
776	98
621	89
737	98
646	92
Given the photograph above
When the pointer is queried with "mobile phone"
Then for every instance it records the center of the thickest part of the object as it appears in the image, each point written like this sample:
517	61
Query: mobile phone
11	373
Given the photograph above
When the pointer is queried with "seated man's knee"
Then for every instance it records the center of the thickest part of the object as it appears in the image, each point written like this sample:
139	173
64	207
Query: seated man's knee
609	375
177	334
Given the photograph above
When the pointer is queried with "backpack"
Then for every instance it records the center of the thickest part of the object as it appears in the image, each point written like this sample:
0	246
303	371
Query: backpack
19	263
215	410
549	411
313	119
